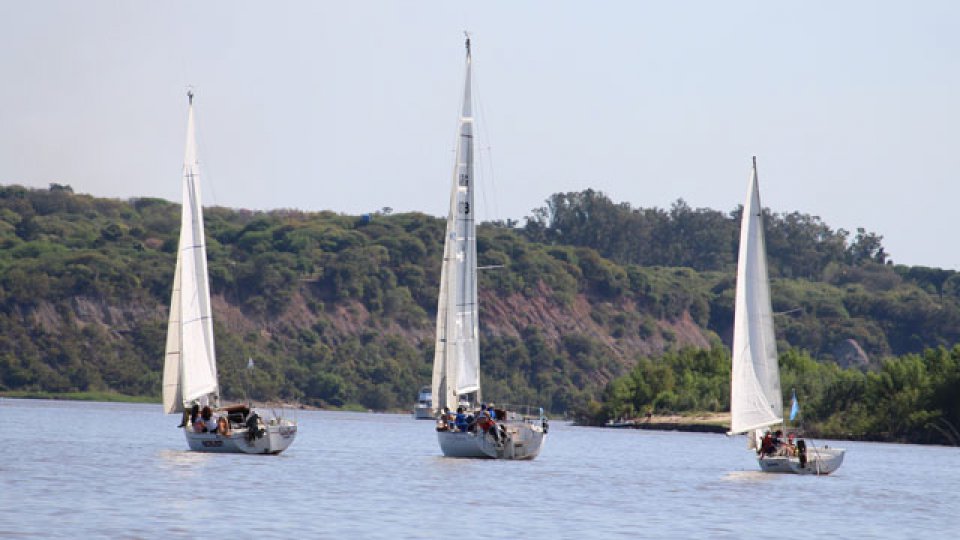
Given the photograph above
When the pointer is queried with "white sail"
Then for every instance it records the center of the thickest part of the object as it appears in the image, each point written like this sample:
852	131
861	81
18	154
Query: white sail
456	363
172	398
755	399
190	328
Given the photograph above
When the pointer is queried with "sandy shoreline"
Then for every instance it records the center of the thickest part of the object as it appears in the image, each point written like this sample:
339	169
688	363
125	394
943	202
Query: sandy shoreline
702	422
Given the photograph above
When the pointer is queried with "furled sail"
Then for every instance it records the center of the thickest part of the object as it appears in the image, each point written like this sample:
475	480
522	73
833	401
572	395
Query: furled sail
456	363
755	399
190	369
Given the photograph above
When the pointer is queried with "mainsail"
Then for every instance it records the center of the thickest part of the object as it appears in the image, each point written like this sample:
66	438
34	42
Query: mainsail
755	400
190	368
456	361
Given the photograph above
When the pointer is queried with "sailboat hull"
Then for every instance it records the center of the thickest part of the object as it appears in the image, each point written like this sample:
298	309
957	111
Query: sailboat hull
819	461
276	438
523	441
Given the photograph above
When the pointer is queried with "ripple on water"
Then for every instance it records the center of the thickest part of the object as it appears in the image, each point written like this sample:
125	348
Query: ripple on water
352	475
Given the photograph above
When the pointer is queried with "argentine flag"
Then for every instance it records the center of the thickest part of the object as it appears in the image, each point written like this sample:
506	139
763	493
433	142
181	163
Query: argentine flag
794	407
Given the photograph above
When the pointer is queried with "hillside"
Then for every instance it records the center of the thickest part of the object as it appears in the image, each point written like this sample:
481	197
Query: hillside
338	309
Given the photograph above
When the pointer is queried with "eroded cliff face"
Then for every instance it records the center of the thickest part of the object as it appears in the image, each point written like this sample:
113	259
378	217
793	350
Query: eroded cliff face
82	311
510	315
499	316
138	328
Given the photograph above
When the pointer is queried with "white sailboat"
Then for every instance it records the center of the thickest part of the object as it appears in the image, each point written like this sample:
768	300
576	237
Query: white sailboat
190	366
456	363
756	402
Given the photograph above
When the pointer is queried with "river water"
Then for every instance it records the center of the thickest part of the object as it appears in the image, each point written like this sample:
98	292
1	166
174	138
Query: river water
88	470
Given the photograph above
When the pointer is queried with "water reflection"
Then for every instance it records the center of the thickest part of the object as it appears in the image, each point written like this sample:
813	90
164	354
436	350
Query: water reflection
183	463
749	476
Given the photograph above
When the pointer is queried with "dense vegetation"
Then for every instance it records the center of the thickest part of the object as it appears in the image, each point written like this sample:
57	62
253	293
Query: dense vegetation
911	398
827	287
339	310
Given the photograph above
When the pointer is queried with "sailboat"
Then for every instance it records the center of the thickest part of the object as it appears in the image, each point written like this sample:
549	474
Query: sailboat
756	402
515	434
190	366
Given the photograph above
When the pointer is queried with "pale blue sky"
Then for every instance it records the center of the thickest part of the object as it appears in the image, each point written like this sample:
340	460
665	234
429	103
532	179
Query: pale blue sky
851	107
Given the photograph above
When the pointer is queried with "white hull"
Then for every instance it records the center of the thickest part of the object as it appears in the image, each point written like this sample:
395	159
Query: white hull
523	441
276	438
423	413
819	461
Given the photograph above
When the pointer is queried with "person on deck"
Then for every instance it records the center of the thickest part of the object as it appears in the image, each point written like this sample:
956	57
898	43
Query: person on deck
223	426
205	423
460	420
766	445
190	415
486	423
791	449
777	441
444	420
446	417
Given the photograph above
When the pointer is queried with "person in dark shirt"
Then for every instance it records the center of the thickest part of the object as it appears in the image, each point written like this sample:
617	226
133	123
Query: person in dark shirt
777	440
766	445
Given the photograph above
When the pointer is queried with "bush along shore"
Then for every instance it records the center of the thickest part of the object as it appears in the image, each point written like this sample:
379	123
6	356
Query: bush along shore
911	398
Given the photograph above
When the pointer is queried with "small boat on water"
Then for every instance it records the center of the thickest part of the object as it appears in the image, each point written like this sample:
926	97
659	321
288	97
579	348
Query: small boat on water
756	401
190	384
423	410
497	433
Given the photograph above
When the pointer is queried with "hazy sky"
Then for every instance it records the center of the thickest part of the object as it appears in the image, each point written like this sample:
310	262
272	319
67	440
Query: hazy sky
851	107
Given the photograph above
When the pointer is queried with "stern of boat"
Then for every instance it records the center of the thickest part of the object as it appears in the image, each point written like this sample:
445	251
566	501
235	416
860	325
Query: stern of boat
277	435
465	444
524	441
521	437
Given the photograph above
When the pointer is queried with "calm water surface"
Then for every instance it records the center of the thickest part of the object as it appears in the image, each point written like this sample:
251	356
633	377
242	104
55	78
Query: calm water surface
82	470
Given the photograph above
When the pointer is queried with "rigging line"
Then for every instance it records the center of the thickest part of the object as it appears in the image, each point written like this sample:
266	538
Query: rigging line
459	131
206	174
484	135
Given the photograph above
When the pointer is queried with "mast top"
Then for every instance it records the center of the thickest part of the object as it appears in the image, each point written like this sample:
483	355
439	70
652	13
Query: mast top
754	162
190	95
467	42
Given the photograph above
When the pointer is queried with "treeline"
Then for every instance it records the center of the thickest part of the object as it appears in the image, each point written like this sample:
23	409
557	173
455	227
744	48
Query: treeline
828	286
798	245
912	398
338	309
